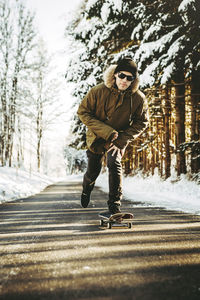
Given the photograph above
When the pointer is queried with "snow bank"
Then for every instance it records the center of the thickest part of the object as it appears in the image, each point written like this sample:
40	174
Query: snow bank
184	5
16	184
182	195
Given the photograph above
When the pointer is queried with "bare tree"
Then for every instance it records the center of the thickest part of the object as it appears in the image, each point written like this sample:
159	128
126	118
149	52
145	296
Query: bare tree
6	34
45	103
17	41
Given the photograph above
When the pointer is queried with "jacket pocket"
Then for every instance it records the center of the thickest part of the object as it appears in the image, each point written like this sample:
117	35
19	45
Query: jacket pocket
90	138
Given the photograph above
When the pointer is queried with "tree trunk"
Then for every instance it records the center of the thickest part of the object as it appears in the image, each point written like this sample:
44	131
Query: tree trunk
152	159
195	122
157	147
167	111
144	160
135	157
161	153
38	155
4	120
127	160
12	114
39	130
180	126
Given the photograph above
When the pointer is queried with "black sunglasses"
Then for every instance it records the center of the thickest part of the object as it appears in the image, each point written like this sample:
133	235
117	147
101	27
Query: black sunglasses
122	76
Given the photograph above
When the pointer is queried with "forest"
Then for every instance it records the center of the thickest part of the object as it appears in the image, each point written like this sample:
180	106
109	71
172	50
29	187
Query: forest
163	38
28	93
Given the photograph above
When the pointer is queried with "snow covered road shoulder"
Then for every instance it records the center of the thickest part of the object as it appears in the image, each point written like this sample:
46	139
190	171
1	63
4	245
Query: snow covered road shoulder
15	184
183	195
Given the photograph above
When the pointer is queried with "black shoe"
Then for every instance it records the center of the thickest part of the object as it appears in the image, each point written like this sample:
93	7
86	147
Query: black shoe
85	198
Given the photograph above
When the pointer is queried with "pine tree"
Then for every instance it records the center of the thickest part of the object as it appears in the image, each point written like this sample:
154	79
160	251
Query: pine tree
100	31
163	38
168	54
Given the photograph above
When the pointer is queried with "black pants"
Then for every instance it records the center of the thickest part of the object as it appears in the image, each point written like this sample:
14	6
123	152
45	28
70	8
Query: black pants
115	175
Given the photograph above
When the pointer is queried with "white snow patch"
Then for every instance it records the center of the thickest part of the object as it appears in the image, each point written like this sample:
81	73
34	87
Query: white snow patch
90	3
15	184
174	48
167	73
184	4
147	50
136	32
117	4
153	28
148	76
105	11
183	195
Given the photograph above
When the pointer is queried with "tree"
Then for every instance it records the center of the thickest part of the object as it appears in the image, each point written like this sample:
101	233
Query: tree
169	49
163	38
43	98
98	34
17	40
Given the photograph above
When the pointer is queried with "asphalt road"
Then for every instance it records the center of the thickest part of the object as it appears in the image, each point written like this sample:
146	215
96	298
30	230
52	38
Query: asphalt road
51	248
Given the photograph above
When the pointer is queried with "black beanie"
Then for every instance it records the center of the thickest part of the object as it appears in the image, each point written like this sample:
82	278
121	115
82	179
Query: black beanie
126	64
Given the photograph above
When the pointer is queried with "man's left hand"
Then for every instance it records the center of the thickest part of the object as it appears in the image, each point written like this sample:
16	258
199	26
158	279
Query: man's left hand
116	150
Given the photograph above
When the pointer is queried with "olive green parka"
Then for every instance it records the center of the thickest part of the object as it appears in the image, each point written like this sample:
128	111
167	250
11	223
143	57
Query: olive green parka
106	110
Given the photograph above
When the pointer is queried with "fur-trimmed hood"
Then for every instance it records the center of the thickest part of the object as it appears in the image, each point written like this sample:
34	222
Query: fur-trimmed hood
109	79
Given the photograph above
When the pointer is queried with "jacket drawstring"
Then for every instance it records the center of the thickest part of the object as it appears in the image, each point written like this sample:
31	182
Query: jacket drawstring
131	106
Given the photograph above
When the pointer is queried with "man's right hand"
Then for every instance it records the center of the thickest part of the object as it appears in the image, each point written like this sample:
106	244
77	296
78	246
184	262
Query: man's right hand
117	150
109	142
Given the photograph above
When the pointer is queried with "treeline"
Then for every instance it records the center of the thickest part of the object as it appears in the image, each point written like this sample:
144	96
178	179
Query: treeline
163	37
25	89
172	138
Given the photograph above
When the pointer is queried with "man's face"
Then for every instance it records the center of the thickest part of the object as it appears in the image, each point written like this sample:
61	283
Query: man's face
123	83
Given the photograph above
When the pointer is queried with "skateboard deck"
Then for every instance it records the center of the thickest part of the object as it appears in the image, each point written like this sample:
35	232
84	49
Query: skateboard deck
125	219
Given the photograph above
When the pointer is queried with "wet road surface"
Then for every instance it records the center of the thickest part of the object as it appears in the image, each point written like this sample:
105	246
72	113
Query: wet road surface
51	248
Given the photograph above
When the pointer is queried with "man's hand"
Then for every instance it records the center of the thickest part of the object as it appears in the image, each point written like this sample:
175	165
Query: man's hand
116	150
113	137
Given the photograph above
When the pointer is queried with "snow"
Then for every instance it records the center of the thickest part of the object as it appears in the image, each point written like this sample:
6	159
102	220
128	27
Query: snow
167	73
175	47
136	32
146	50
105	11
117	4
184	4
15	184
106	8
182	195
89	4
149	32
148	77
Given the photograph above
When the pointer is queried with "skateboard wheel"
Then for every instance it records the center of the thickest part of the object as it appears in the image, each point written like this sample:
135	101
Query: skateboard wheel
101	222
109	225
129	225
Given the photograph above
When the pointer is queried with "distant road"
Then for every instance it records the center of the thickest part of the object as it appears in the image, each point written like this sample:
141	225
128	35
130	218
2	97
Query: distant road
51	248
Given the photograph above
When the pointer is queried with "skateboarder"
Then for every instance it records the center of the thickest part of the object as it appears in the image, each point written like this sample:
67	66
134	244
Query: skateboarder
114	113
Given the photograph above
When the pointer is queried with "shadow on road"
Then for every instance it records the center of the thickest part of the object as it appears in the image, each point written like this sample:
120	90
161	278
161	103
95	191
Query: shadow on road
51	248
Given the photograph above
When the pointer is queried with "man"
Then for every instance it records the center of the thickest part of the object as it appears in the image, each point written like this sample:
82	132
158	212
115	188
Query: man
114	114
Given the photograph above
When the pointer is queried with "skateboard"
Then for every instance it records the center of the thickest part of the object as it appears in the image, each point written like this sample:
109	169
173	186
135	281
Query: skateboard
123	219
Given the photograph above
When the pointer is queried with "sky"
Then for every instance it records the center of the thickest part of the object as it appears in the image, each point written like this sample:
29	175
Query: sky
51	19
